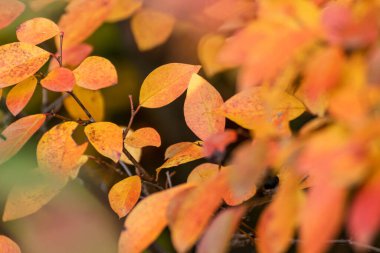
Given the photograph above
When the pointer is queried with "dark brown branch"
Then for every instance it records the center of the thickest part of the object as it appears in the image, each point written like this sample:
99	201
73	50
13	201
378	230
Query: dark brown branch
91	119
139	169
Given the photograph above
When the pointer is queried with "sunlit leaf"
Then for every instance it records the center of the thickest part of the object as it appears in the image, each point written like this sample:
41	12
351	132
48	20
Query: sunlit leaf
218	235
202	101
19	96
58	153
93	101
151	28
8	246
31	194
9	11
107	139
17	134
147	220
166	83
124	195
143	137
19	61
203	173
59	80
123	9
36	30
95	73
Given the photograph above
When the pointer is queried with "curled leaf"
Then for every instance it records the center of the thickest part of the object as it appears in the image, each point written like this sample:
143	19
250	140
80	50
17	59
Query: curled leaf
59	79
19	96
36	30
143	137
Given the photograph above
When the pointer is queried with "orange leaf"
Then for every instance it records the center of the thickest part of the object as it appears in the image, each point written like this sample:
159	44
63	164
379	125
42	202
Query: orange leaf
9	11
123	9
107	139
192	212
93	101
95	73
19	96
201	102
143	137
59	79
17	134
19	61
181	153
8	246
30	195
151	28
166	83
57	152
364	218
135	152
260	104
218	235
124	195
36	30
147	220
203	173
81	19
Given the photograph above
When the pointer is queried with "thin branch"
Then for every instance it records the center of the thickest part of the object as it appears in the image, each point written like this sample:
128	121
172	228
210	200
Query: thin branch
153	185
60	57
91	119
133	114
168	179
126	169
139	169
54	115
55	105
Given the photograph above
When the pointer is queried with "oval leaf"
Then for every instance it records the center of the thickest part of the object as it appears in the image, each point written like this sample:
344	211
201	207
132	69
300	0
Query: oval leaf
17	134
201	102
124	195
151	28
203	173
95	73
59	80
143	137
19	61
9	11
19	96
166	83
135	152
8	246
107	139
36	30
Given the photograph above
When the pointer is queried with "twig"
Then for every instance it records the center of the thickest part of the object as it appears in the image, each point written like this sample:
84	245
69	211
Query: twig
139	169
91	119
126	169
133	114
60	57
55	105
168	179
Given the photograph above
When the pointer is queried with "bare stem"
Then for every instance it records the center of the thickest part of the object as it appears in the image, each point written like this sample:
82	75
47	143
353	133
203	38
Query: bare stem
139	169
168	179
125	167
60	58
91	119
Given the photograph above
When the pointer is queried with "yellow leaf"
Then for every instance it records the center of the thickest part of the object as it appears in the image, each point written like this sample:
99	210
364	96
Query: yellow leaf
124	195
57	152
17	134
203	173
165	84
9	11
19	96
59	80
143	137
107	139
8	246
95	73
81	19
36	30
123	9
93	101
135	152
19	61
151	28
201	102
147	220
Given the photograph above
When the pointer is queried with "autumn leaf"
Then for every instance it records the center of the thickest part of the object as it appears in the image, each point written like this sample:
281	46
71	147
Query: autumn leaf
147	220
81	19
135	152
181	153
93	100
166	83
124	195
217	143
59	80
31	194
17	134
203	173
95	73
143	137
36	30
8	246
123	9
57	152
9	11
218	235
19	96
151	28
200	109
191	216
106	138
19	61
